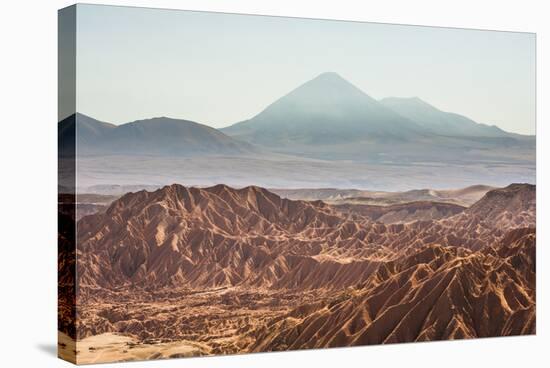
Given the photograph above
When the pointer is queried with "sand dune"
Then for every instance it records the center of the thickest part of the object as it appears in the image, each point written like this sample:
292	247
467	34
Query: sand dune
109	347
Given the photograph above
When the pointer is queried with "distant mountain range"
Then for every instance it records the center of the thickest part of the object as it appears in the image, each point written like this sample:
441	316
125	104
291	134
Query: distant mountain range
330	110
440	122
158	136
328	117
325	118
326	110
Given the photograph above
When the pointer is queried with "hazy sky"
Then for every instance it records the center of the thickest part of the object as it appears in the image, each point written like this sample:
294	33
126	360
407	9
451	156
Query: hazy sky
218	69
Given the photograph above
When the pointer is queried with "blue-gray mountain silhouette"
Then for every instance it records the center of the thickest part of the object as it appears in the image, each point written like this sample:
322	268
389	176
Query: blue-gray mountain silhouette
157	136
440	122
325	110
327	118
330	118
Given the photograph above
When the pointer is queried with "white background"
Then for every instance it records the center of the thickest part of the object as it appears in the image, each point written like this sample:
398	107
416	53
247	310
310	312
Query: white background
28	181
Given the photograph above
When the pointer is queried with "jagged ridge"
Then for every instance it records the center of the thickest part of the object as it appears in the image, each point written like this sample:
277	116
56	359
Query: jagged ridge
471	274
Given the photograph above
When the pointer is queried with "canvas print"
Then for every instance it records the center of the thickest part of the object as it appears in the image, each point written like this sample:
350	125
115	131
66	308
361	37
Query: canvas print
235	184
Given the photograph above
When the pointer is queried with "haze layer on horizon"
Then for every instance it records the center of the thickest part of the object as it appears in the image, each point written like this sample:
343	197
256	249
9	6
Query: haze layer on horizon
218	69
